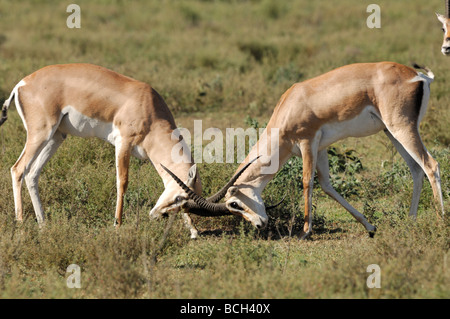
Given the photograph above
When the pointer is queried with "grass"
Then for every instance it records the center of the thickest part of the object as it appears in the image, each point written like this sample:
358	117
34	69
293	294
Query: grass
221	61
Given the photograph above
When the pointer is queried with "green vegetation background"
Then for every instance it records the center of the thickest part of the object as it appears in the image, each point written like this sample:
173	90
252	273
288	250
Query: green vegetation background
227	63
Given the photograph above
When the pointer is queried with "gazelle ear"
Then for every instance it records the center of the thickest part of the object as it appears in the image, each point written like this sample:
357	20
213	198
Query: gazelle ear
192	176
441	17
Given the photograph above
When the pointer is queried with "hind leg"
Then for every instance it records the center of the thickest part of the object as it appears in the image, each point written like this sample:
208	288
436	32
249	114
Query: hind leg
416	172
32	177
410	140
35	143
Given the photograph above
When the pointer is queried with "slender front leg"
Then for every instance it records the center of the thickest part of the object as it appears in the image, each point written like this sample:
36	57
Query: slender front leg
308	149
123	152
189	224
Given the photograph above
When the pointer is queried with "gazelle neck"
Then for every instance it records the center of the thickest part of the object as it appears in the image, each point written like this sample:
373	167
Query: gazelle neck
162	147
273	150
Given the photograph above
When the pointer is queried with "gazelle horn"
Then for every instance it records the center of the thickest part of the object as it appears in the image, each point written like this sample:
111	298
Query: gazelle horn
207	207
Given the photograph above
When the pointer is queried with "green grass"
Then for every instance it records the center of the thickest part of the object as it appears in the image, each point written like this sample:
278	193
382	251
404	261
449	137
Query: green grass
221	61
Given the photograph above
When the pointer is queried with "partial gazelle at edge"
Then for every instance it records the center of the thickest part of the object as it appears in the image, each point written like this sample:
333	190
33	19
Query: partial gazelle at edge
86	100
445	20
352	101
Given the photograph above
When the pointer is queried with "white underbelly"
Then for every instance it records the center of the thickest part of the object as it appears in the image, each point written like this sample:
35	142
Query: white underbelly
78	124
366	123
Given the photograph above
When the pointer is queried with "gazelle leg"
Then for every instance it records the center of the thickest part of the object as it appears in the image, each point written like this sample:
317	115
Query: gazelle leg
123	152
32	177
308	149
323	173
412	143
192	178
416	172
34	145
190	225
17	178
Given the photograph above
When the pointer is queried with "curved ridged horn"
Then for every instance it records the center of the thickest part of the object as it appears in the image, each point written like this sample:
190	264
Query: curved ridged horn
277	204
208	207
223	191
199	206
219	209
447	9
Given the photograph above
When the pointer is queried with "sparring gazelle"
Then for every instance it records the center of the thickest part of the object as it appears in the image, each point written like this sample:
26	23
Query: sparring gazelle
86	100
354	100
445	20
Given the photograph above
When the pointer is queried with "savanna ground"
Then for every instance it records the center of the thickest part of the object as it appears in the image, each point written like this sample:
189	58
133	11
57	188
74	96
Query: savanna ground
226	63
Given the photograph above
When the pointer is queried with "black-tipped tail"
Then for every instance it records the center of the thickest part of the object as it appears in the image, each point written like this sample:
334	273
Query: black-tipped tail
4	114
430	74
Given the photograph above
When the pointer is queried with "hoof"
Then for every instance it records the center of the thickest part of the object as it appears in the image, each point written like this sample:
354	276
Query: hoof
194	236
304	235
372	233
116	223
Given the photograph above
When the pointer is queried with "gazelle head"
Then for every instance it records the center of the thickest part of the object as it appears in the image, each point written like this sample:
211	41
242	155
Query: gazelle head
247	202
174	197
240	200
445	20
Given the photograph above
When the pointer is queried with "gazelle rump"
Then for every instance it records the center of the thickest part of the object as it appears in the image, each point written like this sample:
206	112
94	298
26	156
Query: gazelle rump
91	101
352	101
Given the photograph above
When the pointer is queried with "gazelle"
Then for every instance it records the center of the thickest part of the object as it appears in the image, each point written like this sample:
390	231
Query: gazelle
91	101
355	100
445	20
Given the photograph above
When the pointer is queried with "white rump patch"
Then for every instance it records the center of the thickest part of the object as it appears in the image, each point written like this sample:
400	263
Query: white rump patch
15	92
426	93
423	77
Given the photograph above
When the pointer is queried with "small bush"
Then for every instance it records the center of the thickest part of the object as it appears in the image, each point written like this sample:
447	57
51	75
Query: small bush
258	50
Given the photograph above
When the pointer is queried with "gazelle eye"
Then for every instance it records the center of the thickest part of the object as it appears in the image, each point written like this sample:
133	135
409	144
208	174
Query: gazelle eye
235	205
443	30
179	199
